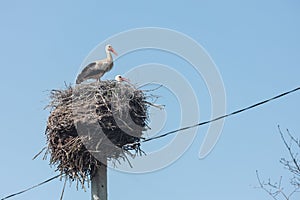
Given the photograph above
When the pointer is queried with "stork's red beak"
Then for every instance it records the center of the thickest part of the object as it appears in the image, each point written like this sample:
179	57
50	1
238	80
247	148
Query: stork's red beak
113	51
125	79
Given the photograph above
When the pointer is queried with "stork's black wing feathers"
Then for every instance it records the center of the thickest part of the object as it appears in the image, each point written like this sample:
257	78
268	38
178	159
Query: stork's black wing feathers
86	72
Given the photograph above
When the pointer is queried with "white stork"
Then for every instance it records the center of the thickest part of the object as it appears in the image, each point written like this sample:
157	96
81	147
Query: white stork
97	69
119	78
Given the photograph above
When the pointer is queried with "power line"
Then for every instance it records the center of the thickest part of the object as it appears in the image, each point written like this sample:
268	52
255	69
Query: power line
223	116
32	187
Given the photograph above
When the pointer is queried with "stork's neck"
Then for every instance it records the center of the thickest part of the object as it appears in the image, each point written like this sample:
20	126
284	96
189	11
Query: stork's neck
108	56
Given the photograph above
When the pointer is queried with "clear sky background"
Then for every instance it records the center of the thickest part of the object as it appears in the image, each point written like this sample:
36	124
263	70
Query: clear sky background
255	45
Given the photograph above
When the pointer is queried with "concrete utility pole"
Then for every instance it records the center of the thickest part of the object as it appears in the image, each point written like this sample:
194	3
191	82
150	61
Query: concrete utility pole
99	183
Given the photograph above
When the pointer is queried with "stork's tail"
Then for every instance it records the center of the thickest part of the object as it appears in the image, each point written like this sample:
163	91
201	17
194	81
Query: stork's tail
79	79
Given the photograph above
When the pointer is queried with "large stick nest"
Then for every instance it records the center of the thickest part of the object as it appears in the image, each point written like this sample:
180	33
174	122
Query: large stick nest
91	123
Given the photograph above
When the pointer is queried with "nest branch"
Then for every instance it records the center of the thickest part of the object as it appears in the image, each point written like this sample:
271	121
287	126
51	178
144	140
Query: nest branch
90	122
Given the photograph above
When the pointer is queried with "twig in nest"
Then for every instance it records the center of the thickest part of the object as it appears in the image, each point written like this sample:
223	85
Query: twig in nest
83	126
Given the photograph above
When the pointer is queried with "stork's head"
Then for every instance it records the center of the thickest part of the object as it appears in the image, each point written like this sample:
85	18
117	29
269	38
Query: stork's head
109	48
119	78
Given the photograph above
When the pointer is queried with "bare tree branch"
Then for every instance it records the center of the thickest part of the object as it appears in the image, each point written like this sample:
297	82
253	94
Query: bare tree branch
294	165
276	190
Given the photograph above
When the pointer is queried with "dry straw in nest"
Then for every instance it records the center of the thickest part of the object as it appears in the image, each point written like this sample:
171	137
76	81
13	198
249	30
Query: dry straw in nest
90	123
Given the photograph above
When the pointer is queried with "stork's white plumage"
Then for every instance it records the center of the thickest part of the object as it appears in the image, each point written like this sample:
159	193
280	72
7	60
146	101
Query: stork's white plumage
119	78
97	69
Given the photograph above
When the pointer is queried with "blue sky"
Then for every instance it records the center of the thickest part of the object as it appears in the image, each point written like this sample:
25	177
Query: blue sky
255	45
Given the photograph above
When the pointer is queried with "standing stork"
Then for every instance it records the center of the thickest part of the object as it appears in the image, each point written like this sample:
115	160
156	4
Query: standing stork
97	69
